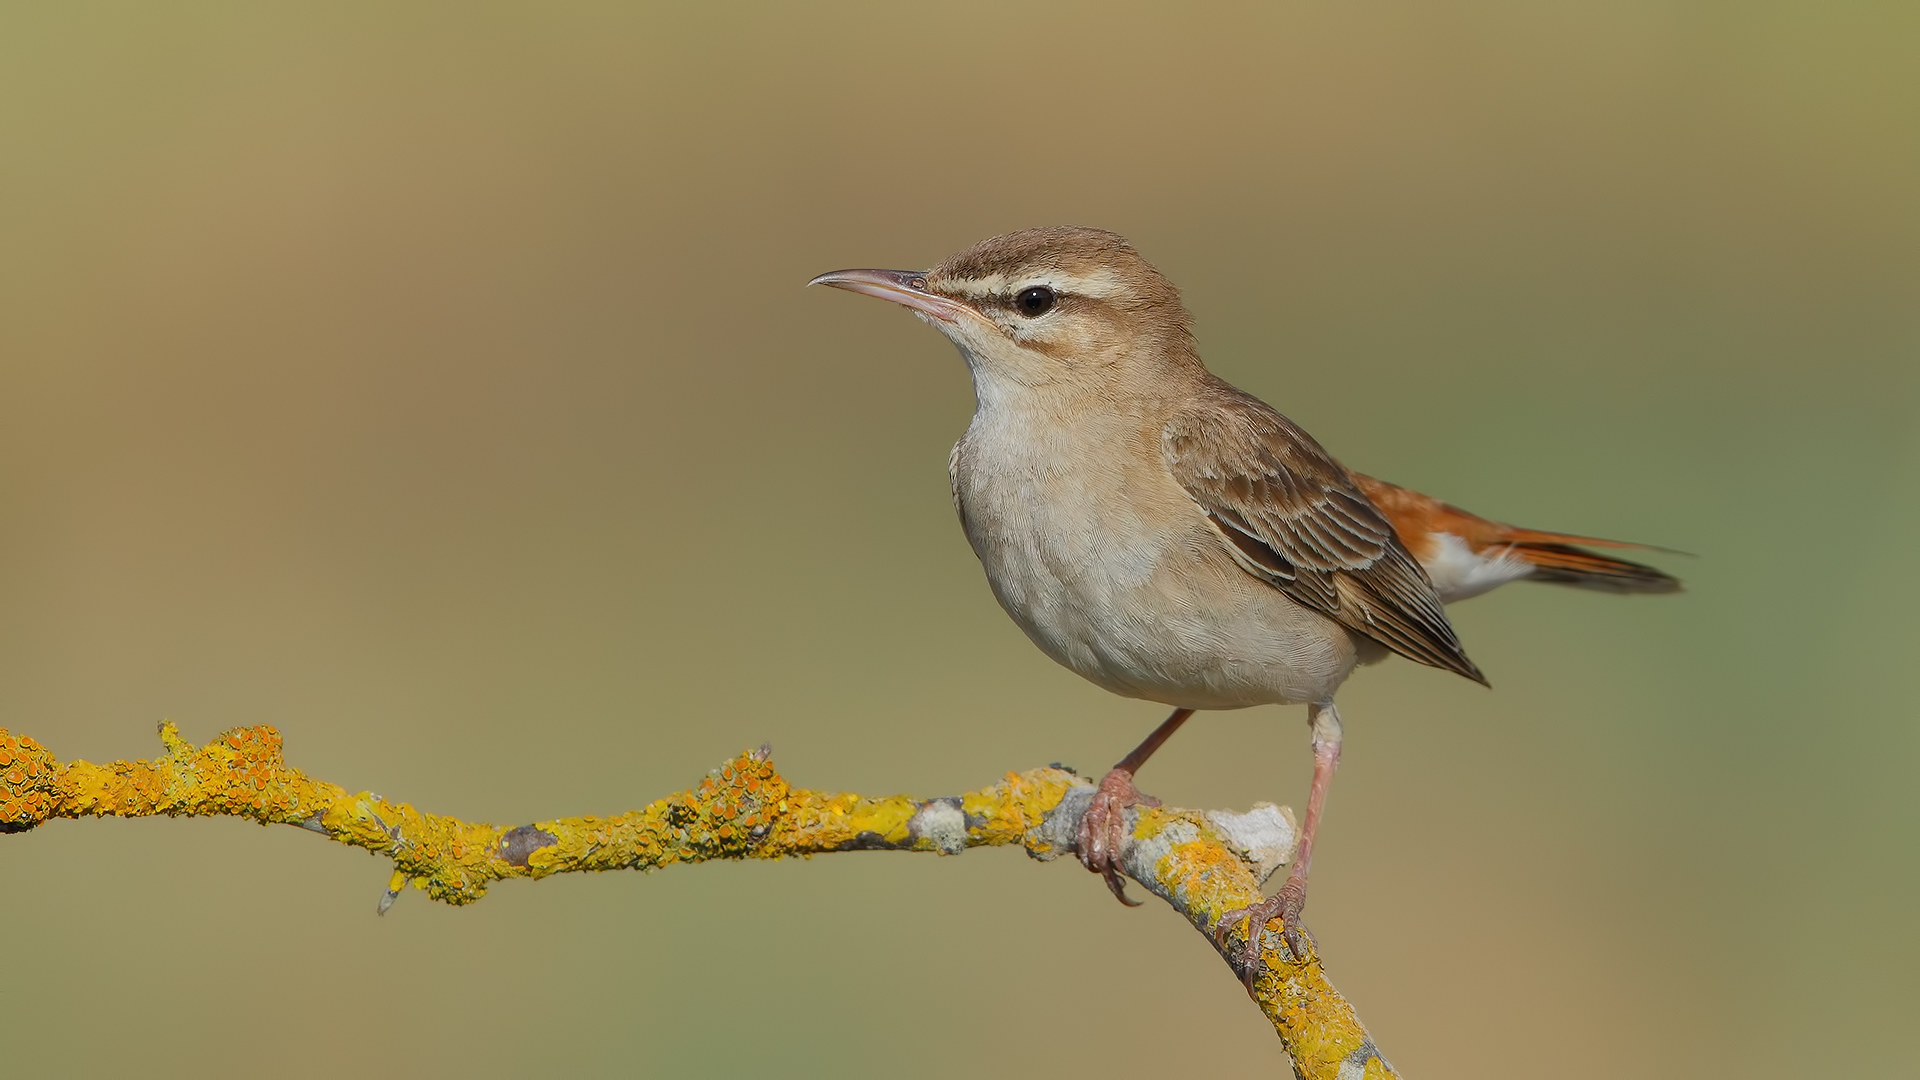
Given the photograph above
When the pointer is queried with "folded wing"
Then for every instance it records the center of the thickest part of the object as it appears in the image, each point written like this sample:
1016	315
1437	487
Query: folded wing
1296	519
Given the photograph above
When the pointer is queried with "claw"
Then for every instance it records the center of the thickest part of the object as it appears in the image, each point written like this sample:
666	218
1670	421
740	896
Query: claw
1285	906
1103	829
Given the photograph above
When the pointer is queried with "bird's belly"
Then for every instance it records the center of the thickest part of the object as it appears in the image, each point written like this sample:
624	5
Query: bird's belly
1150	610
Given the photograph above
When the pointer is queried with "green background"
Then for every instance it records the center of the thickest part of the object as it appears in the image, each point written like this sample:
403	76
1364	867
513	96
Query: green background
435	382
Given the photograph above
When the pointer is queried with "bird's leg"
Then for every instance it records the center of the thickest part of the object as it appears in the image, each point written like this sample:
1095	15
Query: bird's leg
1103	826
1286	904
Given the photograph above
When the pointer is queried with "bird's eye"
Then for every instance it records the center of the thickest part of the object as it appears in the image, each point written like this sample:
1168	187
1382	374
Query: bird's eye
1034	302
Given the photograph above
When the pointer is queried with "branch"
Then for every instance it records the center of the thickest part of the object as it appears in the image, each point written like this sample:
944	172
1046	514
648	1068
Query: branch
1204	864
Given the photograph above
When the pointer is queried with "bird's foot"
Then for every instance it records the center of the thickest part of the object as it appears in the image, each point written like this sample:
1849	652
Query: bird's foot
1285	906
1103	829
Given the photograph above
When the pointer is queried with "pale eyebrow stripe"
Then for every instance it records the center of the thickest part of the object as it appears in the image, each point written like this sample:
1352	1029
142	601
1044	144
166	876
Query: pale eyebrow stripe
1096	284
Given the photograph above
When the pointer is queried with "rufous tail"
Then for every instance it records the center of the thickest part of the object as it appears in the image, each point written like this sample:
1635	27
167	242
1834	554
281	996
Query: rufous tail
1557	558
1564	564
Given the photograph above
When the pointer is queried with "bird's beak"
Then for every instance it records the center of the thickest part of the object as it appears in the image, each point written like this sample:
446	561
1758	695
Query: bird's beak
905	287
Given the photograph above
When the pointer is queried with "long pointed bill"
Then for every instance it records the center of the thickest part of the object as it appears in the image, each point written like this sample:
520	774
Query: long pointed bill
903	287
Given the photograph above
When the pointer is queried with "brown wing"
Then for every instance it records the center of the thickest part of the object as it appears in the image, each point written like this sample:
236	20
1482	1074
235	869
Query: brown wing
1299	522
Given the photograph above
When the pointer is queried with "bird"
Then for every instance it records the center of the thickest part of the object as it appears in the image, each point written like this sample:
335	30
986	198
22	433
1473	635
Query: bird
1170	537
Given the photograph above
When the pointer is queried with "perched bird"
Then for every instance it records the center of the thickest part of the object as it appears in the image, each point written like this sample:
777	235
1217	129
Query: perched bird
1172	538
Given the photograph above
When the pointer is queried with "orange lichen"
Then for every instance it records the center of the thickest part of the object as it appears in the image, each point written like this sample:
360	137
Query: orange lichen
29	782
744	809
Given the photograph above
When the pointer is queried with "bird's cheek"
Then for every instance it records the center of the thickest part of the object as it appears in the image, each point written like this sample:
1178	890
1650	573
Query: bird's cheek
975	339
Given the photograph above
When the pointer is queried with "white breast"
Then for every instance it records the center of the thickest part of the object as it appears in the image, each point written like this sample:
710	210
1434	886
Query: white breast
1113	571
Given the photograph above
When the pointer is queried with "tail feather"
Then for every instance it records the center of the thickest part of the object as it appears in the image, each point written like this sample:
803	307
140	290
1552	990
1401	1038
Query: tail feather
1535	536
1564	564
1559	558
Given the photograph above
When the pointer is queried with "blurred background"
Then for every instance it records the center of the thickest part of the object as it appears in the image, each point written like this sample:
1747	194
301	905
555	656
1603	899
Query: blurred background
436	383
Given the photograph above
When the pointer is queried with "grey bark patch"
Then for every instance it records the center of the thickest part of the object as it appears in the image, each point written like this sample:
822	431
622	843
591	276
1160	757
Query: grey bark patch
865	840
1139	857
1264	837
941	823
521	842
1354	1065
1059	831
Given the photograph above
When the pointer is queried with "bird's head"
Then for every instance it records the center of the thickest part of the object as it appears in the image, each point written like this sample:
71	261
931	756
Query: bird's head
1062	308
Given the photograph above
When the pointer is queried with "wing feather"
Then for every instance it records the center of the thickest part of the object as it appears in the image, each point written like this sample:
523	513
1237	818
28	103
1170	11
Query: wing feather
1297	521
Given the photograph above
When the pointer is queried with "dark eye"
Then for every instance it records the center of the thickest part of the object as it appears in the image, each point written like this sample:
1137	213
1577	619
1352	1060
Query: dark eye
1034	302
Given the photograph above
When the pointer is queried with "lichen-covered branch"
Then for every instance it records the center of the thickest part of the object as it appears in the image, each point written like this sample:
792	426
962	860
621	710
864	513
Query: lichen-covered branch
1205	864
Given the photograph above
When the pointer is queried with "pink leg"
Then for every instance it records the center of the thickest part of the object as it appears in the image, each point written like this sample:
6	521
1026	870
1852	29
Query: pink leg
1292	897
1103	827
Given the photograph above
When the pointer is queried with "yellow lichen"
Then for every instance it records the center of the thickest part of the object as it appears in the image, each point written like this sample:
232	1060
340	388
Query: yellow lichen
744	809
